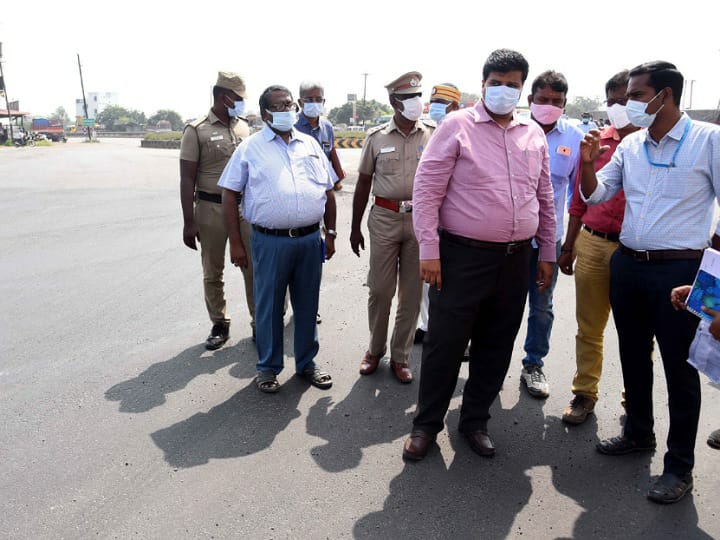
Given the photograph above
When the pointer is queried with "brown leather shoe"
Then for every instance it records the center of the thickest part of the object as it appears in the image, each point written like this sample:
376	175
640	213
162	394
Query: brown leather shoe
369	363
417	445
480	443
402	372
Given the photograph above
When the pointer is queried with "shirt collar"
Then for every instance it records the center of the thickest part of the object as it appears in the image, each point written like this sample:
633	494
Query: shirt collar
268	134
481	115
212	117
392	125
303	120
676	132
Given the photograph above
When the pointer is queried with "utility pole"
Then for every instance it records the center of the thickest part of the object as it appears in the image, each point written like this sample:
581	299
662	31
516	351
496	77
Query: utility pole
364	85
82	86
4	90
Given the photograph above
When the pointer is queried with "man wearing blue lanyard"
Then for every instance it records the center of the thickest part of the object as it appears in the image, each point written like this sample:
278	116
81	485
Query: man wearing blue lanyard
670	180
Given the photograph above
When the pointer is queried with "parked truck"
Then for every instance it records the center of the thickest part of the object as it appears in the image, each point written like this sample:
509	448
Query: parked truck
52	129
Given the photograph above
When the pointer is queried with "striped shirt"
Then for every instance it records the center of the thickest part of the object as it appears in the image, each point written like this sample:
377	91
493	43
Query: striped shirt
667	207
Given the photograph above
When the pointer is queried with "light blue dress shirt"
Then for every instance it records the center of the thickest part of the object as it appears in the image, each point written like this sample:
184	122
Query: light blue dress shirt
284	185
667	207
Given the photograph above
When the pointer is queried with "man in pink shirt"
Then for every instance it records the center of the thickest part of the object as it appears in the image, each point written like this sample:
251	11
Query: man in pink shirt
482	192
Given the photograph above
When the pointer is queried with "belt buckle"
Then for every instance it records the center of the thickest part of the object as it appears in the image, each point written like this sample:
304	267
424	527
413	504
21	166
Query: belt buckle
293	233
510	248
644	255
405	207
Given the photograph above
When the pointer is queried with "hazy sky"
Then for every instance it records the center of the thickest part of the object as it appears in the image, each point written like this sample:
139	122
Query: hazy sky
158	54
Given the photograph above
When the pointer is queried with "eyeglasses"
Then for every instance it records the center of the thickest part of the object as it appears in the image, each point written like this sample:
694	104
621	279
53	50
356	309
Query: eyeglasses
282	107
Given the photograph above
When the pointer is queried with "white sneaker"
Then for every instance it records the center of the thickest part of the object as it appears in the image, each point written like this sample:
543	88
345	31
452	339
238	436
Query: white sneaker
535	381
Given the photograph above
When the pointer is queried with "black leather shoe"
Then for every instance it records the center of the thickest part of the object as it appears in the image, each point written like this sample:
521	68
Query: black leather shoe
480	443
670	488
618	446
714	439
419	336
417	445
219	334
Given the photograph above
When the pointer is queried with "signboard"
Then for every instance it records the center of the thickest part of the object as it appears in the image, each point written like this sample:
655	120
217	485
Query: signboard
14	105
88	122
352	97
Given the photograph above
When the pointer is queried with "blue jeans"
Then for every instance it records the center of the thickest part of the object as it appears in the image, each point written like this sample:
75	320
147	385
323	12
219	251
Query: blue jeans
541	317
278	263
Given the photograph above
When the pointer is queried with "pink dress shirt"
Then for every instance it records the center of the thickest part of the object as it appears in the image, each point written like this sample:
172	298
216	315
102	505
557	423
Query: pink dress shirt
479	180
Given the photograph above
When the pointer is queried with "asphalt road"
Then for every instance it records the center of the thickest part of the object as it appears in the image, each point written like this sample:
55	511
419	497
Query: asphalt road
116	423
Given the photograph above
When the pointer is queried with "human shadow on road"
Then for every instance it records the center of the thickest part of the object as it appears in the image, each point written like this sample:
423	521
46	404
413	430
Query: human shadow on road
150	388
482	498
246	423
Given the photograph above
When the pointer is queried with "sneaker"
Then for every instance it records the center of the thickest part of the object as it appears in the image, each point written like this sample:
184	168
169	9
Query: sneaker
578	411
714	439
535	381
219	334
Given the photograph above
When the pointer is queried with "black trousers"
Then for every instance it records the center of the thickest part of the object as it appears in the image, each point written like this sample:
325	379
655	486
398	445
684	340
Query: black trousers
640	300
482	299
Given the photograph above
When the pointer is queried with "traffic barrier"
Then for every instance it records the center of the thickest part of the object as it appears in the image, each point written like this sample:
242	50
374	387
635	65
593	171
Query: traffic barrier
349	142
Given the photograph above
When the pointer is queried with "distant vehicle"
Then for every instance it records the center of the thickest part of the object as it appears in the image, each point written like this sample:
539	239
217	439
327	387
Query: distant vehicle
52	129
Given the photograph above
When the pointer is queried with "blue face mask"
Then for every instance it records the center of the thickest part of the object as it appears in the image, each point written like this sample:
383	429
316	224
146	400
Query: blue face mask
237	110
437	111
283	121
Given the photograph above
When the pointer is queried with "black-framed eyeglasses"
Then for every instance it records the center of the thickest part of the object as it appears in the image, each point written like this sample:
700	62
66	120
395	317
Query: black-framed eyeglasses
282	107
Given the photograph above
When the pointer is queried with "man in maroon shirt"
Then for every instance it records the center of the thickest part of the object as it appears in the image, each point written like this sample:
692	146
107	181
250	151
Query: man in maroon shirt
592	238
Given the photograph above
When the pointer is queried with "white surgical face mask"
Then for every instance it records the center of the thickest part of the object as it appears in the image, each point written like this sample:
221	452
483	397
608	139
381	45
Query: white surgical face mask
237	110
283	120
412	108
637	112
618	116
312	110
501	99
438	111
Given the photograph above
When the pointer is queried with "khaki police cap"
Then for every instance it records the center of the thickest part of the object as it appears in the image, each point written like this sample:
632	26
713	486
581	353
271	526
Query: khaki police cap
231	81
406	84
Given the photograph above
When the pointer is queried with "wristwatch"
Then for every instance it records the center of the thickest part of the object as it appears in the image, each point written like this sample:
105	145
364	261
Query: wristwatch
331	232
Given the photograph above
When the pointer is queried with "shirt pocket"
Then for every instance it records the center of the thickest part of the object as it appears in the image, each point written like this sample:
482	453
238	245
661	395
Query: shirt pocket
388	164
314	169
220	149
561	165
532	164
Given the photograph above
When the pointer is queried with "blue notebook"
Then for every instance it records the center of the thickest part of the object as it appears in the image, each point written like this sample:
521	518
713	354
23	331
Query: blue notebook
706	288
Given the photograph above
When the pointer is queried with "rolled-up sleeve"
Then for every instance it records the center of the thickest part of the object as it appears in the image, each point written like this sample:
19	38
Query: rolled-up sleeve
434	171
609	180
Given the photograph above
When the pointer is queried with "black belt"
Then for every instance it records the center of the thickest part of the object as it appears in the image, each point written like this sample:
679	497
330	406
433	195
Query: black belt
662	254
611	236
507	247
210	197
292	233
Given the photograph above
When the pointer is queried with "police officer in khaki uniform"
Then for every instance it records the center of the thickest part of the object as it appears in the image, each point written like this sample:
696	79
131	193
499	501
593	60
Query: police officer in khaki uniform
387	167
206	147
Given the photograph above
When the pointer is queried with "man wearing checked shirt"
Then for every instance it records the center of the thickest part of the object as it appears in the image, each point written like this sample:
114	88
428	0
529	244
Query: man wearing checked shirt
671	175
287	189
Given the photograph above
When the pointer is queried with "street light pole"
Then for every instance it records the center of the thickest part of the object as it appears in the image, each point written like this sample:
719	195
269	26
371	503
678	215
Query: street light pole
4	89
364	85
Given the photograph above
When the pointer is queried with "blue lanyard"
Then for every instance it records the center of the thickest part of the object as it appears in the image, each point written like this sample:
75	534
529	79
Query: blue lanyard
672	161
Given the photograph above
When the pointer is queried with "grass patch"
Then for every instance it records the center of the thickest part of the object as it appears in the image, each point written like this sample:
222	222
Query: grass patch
165	136
350	134
43	143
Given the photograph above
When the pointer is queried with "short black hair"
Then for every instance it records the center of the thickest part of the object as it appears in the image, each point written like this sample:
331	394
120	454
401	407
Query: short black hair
265	96
662	75
553	79
504	61
617	81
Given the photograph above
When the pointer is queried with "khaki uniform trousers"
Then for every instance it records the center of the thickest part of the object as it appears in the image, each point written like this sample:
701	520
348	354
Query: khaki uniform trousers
213	241
592	309
394	261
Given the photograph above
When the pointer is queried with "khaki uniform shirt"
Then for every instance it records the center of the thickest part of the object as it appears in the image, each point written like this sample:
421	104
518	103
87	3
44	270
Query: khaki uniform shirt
393	158
210	144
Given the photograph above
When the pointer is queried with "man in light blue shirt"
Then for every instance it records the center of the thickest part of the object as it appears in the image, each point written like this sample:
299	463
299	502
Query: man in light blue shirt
671	176
287	189
547	102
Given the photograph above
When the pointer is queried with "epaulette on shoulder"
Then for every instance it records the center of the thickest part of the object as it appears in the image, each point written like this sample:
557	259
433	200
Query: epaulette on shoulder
198	121
375	129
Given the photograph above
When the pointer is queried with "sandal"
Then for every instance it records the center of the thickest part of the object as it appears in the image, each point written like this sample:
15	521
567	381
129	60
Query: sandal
267	382
317	377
